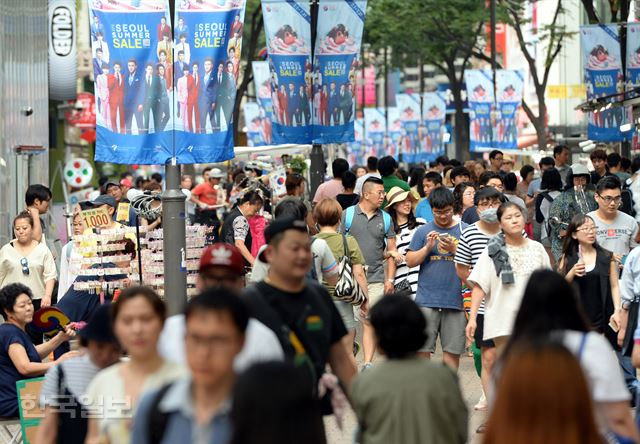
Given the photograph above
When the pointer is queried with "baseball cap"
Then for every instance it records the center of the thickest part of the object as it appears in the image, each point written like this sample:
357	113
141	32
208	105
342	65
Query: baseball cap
99	326
103	199
215	173
108	184
221	254
283	224
126	182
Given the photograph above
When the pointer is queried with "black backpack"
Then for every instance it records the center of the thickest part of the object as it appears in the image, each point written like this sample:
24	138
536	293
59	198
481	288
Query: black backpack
627	199
157	420
541	197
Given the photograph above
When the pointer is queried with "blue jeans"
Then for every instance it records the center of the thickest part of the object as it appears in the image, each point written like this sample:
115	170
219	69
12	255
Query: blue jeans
629	373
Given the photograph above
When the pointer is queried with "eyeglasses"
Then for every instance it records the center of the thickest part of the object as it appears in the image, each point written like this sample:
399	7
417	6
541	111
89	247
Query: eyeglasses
609	200
591	229
25	266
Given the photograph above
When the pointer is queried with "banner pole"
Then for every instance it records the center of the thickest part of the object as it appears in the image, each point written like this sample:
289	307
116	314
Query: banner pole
317	169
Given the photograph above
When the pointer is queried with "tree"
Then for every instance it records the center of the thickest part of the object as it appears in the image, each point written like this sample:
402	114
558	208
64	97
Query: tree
252	40
553	35
615	6
438	32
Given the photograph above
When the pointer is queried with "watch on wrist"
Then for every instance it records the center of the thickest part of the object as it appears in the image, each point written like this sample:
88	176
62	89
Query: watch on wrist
625	305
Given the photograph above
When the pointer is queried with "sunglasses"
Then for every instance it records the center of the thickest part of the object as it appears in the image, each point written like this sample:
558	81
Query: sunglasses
25	266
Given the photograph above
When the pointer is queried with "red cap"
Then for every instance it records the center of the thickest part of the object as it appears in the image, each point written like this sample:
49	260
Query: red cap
126	182
222	255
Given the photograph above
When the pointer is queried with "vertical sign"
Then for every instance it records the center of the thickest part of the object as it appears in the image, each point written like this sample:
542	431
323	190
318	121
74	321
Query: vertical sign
509	84
62	50
262	82
480	97
434	109
409	107
375	124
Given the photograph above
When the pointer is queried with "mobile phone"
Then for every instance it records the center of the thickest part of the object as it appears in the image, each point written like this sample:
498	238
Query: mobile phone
615	327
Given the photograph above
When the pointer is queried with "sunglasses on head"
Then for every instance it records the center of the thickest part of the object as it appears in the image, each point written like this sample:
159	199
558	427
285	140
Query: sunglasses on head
25	266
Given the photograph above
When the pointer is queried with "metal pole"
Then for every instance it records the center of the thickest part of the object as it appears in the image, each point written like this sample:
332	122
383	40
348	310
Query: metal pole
174	241
493	64
316	172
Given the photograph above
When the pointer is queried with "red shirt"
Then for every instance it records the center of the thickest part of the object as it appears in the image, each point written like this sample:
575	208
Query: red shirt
206	194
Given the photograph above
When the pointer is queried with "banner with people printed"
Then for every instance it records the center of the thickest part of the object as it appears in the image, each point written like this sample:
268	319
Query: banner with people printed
336	61
480	98
409	108
393	139
603	77
434	109
287	26
160	97
262	82
509	84
253	122
375	124
357	150
313	101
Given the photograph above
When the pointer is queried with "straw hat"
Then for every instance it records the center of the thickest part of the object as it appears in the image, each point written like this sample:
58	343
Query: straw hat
396	195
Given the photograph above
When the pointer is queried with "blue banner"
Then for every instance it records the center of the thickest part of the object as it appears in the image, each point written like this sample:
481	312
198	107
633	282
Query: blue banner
288	30
207	48
375	124
509	84
633	59
150	92
356	150
445	89
253	122
337	57
409	107
480	98
603	77
394	138
434	108
262	82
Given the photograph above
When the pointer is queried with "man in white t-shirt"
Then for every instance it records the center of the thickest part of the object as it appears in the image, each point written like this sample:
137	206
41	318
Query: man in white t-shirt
372	171
222	264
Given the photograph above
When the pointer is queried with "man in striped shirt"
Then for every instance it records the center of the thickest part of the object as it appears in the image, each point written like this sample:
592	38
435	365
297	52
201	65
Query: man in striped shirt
472	242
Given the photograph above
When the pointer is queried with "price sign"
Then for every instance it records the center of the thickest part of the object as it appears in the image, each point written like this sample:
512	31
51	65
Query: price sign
123	212
96	217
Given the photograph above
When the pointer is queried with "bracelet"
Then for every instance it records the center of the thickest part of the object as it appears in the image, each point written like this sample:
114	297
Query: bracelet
391	280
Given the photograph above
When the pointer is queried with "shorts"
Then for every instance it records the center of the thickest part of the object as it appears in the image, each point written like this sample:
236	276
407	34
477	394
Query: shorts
481	343
450	325
346	313
375	292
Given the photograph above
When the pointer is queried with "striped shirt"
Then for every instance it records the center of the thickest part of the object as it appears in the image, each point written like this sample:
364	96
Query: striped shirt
403	239
470	245
78	373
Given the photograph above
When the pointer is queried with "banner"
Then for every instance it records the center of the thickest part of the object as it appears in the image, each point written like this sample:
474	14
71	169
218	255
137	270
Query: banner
368	95
394	137
156	97
509	84
336	61
356	150
603	77
206	59
254	124
287	26
633	59
480	98
262	82
375	124
434	108
409	107
63	76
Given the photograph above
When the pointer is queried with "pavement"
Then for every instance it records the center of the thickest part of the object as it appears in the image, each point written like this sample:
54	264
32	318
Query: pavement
471	391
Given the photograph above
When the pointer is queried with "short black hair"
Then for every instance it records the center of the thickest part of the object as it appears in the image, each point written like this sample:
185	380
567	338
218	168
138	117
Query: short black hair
349	180
625	163
551	180
433	177
459	171
253	197
374	180
510	181
37	191
487	193
613	159
291	208
635	164
558	149
608	183
455	162
339	166
372	163
487	176
441	198
387	166
220	299
157	177
598	154
493	154
505	206
442	160
147	293
8	295
547	161
525	171
399	325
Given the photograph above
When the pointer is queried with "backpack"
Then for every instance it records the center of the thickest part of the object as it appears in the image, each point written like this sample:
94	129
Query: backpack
157	420
350	213
627	199
541	197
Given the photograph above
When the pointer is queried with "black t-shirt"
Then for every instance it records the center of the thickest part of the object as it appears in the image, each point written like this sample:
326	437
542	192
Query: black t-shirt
347	200
309	315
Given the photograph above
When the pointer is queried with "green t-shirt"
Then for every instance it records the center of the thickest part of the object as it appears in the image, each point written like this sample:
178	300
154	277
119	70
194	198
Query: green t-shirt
394	181
336	245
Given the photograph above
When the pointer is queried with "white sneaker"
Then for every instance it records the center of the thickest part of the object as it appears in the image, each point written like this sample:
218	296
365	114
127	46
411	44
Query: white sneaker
482	403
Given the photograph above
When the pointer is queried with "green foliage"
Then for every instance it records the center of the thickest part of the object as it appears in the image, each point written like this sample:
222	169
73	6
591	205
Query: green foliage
434	31
297	164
